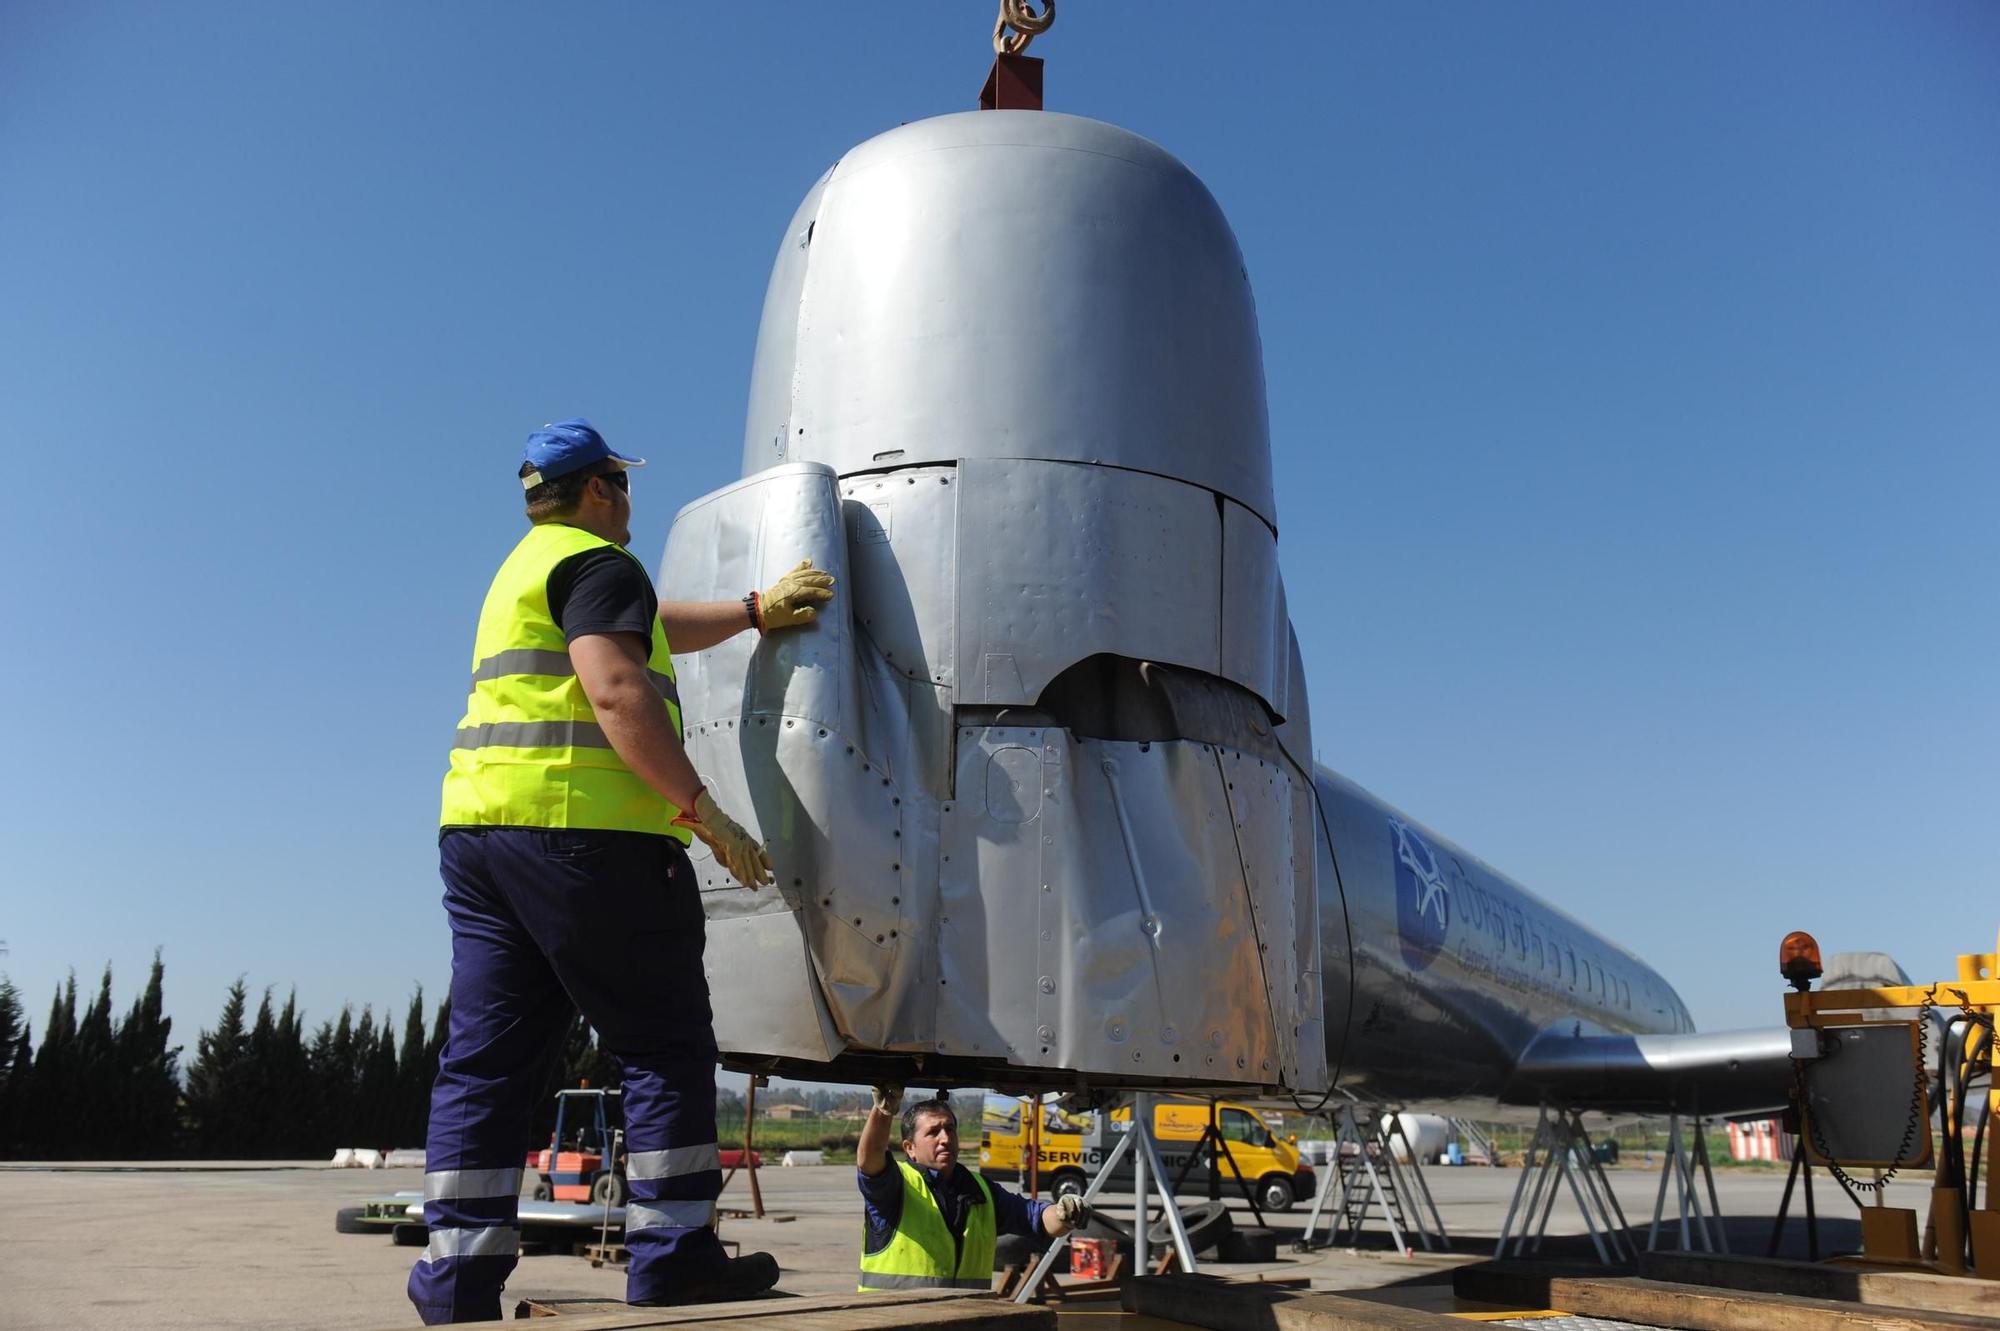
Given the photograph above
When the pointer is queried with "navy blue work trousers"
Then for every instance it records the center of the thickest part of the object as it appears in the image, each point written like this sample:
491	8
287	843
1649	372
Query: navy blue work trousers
545	923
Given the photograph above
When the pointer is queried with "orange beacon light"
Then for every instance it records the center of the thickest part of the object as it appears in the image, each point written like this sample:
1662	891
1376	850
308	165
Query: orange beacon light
1798	959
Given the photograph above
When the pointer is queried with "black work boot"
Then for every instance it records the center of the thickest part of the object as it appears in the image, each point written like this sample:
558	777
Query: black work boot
747	1277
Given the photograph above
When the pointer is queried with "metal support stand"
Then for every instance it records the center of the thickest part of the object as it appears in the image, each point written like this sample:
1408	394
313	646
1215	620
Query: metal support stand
1559	1153
1413	1172
1366	1176
1684	1159
1800	1169
1148	1174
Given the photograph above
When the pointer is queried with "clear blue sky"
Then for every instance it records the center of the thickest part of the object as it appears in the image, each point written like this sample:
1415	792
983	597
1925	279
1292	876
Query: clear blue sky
1634	377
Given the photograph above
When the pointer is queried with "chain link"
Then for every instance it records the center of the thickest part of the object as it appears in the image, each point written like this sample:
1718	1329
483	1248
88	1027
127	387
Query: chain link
1020	15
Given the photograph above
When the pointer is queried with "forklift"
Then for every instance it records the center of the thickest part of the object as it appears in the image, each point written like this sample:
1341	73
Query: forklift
584	1160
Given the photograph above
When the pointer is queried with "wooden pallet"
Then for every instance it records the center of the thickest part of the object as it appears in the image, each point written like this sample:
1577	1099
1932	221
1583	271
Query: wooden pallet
1242	1305
908	1311
1816	1280
1693	1307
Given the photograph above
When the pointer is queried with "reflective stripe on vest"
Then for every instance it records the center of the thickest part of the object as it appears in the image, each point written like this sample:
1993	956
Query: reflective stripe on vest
529	751
539	661
921	1253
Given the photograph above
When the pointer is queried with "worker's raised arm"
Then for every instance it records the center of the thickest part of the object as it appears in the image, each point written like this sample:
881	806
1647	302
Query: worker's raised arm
871	1152
791	601
611	667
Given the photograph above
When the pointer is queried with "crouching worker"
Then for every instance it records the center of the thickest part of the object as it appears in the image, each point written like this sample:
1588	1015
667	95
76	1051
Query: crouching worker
930	1223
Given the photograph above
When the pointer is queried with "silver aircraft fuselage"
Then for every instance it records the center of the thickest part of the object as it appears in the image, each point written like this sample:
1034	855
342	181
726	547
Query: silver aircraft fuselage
1039	785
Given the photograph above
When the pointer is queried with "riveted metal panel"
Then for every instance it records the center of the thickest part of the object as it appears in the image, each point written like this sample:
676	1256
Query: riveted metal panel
1058	562
743	536
779	728
762	990
901	536
1004	285
1256	635
1110	929
987	920
1260	801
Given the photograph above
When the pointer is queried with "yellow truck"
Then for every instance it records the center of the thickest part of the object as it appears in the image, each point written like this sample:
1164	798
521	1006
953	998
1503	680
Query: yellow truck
1067	1157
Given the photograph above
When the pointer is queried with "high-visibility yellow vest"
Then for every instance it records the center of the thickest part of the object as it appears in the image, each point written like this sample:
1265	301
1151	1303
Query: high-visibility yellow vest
921	1254
529	752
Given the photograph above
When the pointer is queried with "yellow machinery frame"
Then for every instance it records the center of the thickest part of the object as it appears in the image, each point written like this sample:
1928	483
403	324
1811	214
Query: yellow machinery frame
1977	989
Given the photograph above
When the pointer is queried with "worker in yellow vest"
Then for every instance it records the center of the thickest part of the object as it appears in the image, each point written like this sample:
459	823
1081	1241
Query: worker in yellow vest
567	807
929	1222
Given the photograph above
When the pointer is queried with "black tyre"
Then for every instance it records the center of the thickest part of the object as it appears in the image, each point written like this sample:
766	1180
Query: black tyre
1274	1192
542	1193
1207	1224
1097	1227
1068	1183
347	1220
608	1190
411	1235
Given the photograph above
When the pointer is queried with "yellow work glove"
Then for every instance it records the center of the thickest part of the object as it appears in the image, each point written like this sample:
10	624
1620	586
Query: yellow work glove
794	599
734	849
1072	1211
888	1099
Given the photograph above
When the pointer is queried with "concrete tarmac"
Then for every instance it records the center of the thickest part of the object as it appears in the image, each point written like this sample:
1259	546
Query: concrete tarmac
253	1244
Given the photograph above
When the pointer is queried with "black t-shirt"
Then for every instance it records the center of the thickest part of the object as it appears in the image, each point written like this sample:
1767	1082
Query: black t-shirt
602	591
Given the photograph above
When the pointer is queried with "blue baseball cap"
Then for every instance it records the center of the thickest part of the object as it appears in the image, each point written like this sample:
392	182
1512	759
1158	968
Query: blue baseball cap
564	446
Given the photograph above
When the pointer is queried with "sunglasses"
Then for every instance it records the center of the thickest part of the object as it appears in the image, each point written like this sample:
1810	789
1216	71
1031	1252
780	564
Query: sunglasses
617	478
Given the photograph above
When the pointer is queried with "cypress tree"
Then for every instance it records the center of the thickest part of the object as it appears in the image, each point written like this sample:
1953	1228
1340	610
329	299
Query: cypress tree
46	1120
216	1082
94	1103
261	1084
318	1129
375	1110
149	1071
13	1032
341	1075
413	1077
291	1084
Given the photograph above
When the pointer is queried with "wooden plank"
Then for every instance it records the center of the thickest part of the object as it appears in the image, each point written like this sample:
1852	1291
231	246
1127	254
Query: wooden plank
905	1311
1224	1305
1812	1280
1694	1307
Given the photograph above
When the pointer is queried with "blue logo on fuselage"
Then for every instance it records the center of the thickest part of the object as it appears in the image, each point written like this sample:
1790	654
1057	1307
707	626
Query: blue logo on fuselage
1423	898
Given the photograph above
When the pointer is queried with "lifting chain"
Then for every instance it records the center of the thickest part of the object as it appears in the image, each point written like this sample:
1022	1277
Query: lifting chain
1020	15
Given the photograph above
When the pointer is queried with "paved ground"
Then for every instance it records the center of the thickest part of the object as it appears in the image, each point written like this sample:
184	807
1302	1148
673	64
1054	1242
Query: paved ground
243	1246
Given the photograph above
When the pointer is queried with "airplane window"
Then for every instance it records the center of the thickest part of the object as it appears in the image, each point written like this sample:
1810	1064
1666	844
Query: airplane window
1520	933
1537	940
1569	963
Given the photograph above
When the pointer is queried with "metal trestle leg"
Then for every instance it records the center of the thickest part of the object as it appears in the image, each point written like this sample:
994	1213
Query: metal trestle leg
1560	1154
1149	1175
